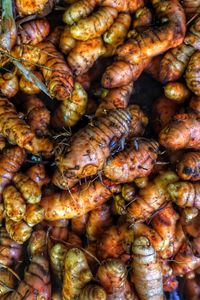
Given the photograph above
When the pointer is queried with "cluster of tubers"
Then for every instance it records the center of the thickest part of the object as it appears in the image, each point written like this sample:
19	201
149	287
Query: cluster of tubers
99	199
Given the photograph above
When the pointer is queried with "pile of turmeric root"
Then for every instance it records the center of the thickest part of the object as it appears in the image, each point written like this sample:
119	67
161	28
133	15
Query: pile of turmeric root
99	193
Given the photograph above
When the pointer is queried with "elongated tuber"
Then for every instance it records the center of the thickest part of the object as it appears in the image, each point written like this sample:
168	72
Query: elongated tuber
10	162
81	160
192	73
33	32
72	109
151	197
84	54
76	203
76	274
147	274
185	194
181	132
137	160
94	25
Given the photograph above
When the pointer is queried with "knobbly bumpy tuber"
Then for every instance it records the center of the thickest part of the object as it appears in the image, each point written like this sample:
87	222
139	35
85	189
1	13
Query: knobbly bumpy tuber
21	202
139	121
185	261
79	10
72	109
137	160
56	73
76	274
10	251
18	231
12	127
38	116
34	214
192	73
93	292
37	174
76	203
166	225
185	194
162	231
33	32
118	30
151	197
84	54
67	42
112	274
63	182
9	84
28	188
57	258
181	132
115	184
115	98
121	73
10	162
116	242
15	210
30	56
140	229
146	274
36	280
99	219
135	54
153	41
81	160
175	61
58	77
94	25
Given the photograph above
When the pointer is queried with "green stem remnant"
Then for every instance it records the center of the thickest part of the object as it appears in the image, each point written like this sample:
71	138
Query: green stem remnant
8	27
